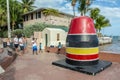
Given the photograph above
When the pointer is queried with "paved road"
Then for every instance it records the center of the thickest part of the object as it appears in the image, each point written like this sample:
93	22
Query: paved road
39	67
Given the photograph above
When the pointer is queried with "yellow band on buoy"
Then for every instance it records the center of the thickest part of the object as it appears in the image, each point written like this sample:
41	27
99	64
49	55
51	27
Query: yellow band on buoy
82	51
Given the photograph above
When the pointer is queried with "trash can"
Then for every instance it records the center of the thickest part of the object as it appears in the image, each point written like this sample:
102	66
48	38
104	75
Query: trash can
11	45
4	44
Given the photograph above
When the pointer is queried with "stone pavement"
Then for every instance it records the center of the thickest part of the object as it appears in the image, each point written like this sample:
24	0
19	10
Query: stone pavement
39	67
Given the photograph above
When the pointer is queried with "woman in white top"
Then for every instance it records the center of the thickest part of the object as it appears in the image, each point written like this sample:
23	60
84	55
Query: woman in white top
16	43
21	43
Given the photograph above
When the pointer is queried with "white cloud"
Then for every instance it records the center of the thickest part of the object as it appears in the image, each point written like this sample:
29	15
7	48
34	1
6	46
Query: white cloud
48	3
66	8
108	1
109	11
61	5
113	14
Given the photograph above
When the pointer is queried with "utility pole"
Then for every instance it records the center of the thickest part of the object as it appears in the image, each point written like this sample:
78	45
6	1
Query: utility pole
8	20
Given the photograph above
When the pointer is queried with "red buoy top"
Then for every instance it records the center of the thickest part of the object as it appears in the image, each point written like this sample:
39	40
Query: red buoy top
82	25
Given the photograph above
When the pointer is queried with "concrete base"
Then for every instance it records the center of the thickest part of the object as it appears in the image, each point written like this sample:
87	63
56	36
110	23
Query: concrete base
92	70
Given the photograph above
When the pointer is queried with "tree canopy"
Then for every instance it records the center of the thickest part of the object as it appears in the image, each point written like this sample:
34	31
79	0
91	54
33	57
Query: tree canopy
27	5
50	11
99	20
16	10
83	6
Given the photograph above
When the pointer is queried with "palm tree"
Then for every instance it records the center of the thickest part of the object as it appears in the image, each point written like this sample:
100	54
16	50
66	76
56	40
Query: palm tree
73	3
94	13
3	17
84	6
3	4
27	5
81	7
15	12
99	20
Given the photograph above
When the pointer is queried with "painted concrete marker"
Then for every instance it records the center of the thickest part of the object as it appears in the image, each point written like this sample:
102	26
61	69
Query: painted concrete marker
82	49
82	42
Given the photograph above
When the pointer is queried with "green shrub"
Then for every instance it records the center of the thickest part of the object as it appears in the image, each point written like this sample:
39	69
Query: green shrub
30	29
1	33
5	34
18	32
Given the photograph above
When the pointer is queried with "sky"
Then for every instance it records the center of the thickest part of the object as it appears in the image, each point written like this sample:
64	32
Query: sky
109	8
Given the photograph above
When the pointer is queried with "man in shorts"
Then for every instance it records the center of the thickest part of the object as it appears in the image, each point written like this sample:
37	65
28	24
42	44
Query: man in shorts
34	46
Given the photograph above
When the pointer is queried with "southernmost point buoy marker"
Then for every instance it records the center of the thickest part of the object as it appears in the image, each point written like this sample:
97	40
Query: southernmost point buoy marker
82	49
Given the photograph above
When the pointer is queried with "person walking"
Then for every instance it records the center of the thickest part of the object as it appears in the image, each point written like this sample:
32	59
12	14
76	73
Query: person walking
21	43
40	48
16	43
59	47
34	46
25	43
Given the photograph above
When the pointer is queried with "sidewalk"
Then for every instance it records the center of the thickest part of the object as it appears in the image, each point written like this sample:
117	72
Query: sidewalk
39	67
